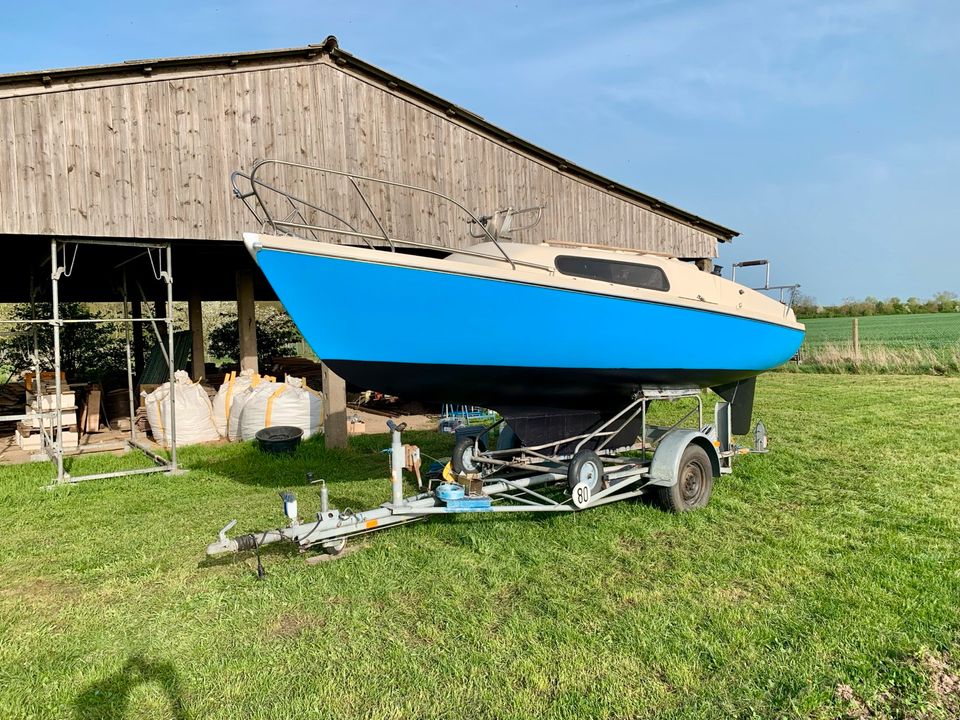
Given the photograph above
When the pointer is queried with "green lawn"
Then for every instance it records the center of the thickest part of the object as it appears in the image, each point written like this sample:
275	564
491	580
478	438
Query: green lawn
833	560
933	331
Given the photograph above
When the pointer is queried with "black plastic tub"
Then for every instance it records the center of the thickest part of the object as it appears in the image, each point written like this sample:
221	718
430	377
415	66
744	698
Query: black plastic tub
279	439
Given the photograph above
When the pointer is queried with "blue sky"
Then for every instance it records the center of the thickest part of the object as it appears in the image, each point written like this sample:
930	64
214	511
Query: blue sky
828	133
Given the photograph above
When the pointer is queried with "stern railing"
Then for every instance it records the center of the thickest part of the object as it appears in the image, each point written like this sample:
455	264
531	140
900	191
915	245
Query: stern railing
788	303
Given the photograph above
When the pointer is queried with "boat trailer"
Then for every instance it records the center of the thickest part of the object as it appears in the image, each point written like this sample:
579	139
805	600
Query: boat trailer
676	464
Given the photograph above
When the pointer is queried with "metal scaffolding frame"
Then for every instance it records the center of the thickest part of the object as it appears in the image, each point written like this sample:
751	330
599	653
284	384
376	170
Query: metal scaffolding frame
51	442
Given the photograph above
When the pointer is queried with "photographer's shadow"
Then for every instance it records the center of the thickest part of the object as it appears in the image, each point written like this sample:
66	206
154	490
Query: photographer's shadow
108	699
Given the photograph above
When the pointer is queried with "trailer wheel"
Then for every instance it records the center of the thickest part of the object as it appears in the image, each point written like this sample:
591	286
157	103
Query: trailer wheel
586	467
694	482
462	458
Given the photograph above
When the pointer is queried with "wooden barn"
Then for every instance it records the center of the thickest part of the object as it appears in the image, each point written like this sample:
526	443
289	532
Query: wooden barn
142	152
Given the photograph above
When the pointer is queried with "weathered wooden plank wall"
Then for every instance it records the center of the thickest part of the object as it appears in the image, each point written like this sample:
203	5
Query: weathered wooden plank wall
150	158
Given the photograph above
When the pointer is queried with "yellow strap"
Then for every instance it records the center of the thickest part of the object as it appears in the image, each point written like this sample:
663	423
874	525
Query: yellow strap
160	418
276	394
229	396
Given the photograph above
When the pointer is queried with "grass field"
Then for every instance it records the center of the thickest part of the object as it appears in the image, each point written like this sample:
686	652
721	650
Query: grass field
934	330
827	570
899	344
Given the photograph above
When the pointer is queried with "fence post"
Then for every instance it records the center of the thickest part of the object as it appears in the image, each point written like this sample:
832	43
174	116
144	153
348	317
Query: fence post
856	339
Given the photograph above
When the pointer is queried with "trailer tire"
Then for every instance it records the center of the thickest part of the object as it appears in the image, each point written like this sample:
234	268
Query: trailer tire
586	467
461	460
694	482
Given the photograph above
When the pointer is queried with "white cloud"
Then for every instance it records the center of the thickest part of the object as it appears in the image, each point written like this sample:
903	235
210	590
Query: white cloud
729	59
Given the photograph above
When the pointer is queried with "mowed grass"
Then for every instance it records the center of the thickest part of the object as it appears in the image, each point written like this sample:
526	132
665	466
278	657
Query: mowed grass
833	560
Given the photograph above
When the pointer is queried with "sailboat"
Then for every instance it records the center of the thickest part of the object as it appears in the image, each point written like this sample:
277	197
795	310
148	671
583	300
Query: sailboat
516	327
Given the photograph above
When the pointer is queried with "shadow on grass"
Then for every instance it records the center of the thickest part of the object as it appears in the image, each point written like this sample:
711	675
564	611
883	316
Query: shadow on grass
109	699
364	459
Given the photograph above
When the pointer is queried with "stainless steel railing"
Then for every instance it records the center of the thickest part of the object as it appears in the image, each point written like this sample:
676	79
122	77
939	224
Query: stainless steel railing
766	283
296	220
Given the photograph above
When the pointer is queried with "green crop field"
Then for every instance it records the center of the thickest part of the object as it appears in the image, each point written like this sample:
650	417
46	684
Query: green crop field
822	581
935	330
899	344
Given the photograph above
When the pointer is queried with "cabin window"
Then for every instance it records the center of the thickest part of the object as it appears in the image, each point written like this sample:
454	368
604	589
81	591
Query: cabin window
649	277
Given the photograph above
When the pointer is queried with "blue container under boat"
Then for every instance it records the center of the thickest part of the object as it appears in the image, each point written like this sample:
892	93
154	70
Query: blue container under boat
456	499
480	503
450	491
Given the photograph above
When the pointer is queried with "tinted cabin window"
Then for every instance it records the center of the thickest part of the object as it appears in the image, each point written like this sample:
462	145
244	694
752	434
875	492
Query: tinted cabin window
649	277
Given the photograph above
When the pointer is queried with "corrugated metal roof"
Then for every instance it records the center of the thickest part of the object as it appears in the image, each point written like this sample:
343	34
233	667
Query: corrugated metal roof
54	80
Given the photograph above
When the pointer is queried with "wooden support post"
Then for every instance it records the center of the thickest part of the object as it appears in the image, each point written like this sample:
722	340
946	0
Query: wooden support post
247	321
136	312
198	351
856	339
334	409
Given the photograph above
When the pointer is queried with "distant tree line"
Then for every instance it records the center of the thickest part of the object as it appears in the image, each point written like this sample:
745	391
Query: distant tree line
946	301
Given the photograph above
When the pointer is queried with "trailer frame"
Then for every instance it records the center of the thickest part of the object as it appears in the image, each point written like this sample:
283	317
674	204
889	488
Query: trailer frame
529	481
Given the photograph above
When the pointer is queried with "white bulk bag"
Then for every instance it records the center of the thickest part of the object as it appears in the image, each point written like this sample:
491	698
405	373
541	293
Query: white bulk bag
194	413
232	386
238	400
237	404
287	403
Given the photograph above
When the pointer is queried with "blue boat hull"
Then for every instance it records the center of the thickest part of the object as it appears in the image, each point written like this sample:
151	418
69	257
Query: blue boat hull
433	335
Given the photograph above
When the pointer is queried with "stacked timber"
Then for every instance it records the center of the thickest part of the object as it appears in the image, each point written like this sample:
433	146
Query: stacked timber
117	403
311	372
11	403
141	422
40	404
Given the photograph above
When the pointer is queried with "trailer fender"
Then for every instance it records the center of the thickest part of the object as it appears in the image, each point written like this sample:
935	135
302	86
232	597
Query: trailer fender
665	465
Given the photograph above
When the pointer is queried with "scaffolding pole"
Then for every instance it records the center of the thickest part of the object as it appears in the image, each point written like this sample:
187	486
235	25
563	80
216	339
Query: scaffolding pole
52	444
55	271
171	360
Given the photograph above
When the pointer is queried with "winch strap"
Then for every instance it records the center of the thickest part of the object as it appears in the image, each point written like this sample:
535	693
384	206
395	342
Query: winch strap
274	396
229	395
